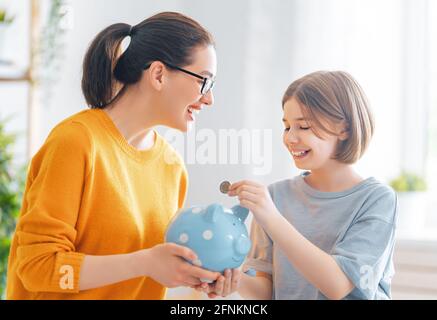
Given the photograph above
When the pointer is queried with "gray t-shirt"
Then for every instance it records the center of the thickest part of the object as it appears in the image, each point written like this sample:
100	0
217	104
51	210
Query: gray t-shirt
356	227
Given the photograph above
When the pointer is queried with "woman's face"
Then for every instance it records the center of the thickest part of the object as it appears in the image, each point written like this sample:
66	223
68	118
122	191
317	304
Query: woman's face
182	99
309	152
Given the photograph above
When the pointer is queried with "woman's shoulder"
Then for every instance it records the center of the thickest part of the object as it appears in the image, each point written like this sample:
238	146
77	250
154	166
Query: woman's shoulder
71	129
67	143
71	134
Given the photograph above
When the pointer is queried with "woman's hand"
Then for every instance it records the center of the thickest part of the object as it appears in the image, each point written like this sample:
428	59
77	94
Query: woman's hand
166	264
255	197
224	286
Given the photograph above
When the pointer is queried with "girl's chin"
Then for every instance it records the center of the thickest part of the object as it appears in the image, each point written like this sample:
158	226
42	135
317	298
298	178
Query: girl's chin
302	167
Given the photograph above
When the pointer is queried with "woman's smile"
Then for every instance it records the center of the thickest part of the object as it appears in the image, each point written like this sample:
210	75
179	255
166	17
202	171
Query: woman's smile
192	111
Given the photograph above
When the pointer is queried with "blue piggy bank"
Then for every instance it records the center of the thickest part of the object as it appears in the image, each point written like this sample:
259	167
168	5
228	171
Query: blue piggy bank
216	234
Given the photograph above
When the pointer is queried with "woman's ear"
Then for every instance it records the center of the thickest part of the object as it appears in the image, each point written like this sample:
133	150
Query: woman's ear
156	75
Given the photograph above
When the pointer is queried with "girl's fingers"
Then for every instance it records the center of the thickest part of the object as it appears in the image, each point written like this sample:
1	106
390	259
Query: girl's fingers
227	284
243	182
245	195
218	290
207	288
248	204
245	187
193	281
249	188
236	276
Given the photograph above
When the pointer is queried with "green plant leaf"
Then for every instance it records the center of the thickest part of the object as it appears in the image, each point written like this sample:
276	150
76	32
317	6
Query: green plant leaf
408	182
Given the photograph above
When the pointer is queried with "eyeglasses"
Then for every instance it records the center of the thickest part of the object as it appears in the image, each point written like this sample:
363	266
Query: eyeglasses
207	85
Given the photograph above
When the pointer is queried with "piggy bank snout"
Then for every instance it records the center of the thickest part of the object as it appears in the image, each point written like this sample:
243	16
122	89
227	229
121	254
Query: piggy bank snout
242	245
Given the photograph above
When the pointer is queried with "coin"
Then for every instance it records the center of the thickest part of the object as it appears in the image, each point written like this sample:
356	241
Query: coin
224	186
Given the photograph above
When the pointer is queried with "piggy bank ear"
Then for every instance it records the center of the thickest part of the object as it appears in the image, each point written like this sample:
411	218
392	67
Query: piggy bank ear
242	245
212	213
240	212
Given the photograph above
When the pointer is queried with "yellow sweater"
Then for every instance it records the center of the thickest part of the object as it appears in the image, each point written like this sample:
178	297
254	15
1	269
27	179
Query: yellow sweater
89	192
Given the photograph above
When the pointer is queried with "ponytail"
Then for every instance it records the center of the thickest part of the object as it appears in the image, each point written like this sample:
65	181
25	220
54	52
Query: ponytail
98	83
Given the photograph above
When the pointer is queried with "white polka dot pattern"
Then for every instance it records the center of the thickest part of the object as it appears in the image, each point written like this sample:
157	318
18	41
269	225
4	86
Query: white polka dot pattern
207	234
183	238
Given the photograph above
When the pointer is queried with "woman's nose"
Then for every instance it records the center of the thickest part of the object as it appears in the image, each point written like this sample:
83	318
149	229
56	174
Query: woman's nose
208	98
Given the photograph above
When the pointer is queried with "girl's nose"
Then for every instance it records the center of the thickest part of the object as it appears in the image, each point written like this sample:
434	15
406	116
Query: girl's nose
291	137
208	99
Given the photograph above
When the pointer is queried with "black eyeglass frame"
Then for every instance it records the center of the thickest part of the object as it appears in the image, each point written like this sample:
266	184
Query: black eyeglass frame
204	79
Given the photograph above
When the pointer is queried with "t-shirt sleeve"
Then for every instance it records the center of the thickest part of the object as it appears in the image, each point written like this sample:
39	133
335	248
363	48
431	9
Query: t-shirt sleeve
47	260
367	246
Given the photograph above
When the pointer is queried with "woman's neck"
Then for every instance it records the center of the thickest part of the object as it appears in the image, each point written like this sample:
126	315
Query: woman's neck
133	119
340	178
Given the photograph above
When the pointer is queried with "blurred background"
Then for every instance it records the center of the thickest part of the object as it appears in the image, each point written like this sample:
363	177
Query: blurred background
389	46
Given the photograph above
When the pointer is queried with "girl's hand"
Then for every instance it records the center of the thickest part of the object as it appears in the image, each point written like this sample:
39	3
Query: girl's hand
255	197
166	264
224	286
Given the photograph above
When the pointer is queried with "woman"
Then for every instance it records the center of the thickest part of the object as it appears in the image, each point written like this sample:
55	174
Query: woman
101	191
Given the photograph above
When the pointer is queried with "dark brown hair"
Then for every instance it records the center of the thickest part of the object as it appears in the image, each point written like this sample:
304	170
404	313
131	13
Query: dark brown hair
167	36
337	97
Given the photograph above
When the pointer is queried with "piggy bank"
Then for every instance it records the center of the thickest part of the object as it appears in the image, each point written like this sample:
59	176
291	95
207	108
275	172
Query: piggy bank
216	234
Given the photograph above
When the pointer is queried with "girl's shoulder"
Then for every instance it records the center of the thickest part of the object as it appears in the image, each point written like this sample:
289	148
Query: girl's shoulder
380	202
284	187
370	197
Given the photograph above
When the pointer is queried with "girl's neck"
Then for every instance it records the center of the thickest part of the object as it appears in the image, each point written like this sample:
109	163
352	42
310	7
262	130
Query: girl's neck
340	178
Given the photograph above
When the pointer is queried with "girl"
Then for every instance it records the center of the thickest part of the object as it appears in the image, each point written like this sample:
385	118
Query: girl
327	233
100	192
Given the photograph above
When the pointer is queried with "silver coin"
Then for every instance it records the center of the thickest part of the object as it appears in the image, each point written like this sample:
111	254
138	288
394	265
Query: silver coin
224	186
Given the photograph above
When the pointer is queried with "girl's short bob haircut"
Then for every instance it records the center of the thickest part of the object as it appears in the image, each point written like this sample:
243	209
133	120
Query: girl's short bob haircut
335	97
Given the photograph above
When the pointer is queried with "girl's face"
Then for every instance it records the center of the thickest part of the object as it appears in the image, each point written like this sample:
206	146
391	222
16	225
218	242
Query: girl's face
309	152
182	98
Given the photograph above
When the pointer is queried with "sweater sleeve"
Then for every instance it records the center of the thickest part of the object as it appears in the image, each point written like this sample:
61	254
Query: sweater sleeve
47	260
183	188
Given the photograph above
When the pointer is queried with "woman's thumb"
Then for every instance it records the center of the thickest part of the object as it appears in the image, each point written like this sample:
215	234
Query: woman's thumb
185	252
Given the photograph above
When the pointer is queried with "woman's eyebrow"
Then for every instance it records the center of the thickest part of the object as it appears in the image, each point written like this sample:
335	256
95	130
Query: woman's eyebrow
207	73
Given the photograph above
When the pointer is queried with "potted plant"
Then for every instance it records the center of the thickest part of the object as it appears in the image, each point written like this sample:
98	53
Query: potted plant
11	189
5	21
412	201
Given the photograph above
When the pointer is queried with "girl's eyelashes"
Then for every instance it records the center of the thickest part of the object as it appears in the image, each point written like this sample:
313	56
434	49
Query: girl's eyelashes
300	127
